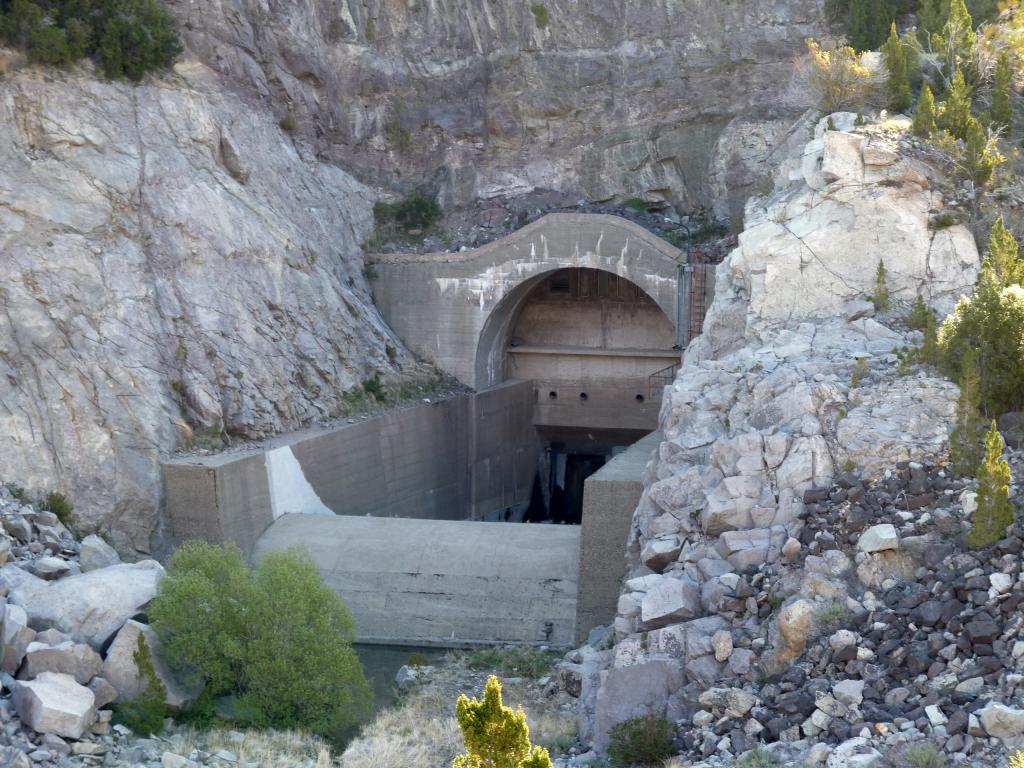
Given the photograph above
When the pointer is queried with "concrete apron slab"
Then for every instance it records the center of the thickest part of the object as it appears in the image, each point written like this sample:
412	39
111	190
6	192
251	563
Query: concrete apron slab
442	582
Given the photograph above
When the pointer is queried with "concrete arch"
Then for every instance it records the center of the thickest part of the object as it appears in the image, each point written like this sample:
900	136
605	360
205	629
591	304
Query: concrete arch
494	337
440	304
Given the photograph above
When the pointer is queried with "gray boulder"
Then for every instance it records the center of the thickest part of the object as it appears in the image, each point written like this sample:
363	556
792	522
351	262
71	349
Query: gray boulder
628	692
120	670
11	757
55	703
95	553
89	607
76	659
1003	722
15	638
673	600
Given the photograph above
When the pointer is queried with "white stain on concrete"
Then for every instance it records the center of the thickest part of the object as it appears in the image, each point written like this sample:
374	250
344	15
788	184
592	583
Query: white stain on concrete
290	491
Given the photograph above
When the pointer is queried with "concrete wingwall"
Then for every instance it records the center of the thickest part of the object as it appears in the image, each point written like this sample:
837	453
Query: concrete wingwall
455	459
610	497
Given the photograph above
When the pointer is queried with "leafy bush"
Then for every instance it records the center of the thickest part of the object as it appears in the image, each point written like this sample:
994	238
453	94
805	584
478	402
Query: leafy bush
496	736
146	712
646	740
288	123
126	38
837	79
275	637
995	510
896	64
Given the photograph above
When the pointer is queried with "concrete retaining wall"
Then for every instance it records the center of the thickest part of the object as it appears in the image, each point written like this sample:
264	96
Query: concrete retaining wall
610	497
467	456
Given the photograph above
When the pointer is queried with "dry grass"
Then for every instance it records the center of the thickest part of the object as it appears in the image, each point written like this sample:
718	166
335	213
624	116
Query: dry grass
421	732
273	749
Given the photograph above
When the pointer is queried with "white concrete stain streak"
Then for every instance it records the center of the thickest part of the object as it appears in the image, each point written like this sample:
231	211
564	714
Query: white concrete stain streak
290	491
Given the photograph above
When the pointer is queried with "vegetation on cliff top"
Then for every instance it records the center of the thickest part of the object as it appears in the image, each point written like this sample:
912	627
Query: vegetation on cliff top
126	38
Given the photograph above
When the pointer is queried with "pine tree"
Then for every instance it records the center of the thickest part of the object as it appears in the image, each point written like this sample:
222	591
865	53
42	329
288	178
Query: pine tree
924	117
931	16
958	32
145	713
897	81
980	156
956	110
1001	110
869	22
881	295
1004	254
965	440
496	736
995	510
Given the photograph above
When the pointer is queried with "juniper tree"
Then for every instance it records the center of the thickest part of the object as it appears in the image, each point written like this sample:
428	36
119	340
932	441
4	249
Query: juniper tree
869	21
1001	110
958	31
965	440
995	510
956	110
1004	255
897	81
881	295
496	736
924	117
980	156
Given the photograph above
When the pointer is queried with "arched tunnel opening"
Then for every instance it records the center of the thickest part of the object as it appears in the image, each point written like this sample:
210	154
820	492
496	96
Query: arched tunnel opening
598	350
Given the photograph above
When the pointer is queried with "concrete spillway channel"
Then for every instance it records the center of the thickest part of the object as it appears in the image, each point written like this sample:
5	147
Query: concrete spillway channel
429	582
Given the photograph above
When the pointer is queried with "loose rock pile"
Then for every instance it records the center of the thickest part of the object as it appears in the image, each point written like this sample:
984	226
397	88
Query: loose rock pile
67	640
797	574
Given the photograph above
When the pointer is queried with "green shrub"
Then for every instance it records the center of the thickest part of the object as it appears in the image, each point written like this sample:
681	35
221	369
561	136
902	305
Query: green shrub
919	314
275	637
925	755
860	370
941	221
417	211
647	740
995	510
146	712
126	38
288	123
758	758
540	15
496	736
60	506
522	661
375	389
418	659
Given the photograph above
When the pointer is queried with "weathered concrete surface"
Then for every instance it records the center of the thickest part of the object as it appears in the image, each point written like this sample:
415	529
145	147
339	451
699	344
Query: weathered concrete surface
463	457
461	310
610	496
425	582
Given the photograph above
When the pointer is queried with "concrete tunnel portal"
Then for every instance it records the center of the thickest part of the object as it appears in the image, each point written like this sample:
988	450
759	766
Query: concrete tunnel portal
567	331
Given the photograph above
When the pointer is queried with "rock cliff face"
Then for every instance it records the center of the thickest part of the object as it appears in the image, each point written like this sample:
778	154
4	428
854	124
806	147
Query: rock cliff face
490	97
172	265
771	402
